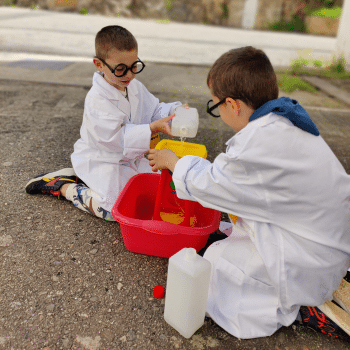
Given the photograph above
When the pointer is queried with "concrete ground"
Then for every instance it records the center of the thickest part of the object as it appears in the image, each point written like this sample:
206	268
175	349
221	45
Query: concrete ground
67	280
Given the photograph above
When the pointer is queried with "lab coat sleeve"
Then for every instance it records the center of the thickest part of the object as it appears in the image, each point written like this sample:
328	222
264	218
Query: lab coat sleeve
163	110
160	109
109	131
136	140
223	185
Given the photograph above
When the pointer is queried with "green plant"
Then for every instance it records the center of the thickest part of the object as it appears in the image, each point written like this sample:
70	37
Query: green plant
334	74
296	25
317	63
163	21
10	3
169	4
336	69
328	3
338	66
224	8
298	65
290	83
334	12
84	11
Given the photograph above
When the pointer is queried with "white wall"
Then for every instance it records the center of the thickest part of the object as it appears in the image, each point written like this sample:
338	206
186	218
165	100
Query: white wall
343	38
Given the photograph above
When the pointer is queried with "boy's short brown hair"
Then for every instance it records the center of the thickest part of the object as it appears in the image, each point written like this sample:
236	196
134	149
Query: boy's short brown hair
113	37
245	74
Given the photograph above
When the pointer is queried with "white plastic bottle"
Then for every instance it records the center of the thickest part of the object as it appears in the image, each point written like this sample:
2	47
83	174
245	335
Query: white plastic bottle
185	123
187	291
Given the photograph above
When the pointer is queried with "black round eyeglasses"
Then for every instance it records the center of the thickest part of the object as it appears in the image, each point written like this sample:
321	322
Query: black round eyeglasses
122	69
212	108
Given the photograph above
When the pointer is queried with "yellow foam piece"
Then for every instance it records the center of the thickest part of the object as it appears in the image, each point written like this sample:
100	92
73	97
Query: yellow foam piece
234	218
183	148
176	218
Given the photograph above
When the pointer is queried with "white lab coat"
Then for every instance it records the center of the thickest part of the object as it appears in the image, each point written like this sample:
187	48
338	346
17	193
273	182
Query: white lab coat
115	134
291	246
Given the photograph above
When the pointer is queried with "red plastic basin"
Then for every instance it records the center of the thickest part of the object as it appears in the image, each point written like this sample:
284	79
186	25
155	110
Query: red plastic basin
134	210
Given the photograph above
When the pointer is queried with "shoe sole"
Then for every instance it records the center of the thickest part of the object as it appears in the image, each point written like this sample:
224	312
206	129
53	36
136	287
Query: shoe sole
342	295
337	315
64	172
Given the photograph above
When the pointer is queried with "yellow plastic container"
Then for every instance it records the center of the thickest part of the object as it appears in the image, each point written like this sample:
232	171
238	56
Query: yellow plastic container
183	148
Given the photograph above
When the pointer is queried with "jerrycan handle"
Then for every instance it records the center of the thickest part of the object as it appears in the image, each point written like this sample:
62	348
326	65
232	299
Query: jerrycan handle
191	254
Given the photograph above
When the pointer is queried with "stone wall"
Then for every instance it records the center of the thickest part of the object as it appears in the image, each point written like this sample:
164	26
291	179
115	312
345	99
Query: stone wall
234	14
216	12
269	11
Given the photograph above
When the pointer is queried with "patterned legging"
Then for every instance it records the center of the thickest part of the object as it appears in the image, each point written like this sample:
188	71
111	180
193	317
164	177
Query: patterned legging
81	197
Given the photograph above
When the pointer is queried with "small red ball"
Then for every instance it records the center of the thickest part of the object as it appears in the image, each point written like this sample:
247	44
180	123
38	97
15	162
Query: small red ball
158	292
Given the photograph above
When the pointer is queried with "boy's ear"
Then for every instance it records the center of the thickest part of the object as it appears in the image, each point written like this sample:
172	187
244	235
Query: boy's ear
98	64
234	104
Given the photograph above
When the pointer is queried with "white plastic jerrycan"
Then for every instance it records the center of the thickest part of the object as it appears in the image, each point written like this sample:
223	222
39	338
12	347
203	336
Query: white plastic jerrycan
185	123
187	291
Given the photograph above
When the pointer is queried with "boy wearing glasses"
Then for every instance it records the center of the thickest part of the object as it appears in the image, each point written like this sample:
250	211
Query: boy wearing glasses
120	115
291	243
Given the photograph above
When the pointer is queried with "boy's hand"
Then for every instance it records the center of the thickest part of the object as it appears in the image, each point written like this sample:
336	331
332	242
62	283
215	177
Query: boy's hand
162	159
162	125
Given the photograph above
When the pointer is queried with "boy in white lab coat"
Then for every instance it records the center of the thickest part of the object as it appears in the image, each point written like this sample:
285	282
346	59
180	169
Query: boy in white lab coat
120	115
291	243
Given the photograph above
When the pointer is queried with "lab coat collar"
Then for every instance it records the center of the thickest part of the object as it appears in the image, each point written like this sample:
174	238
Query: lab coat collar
127	107
132	95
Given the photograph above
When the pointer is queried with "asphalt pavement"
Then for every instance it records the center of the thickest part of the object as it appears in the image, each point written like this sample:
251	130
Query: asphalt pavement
67	280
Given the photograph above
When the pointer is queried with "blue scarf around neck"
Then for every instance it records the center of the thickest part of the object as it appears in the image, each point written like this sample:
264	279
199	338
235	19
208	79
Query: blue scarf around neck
290	109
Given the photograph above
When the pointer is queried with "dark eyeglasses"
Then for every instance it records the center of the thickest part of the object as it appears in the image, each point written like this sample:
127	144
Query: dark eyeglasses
122	69
212	108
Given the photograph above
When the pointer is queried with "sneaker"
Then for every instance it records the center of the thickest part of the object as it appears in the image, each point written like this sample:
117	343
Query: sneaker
315	319
51	183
